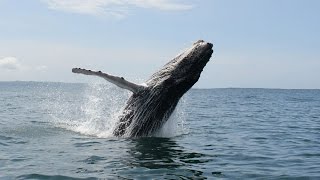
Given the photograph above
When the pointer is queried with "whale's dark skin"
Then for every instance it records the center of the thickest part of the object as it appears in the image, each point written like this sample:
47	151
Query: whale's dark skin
151	105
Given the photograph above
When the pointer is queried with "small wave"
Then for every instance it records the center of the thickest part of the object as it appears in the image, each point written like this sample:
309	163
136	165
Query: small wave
3	144
51	177
93	159
86	144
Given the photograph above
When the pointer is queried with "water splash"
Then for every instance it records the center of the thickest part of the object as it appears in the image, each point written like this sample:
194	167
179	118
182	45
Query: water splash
93	109
102	105
176	124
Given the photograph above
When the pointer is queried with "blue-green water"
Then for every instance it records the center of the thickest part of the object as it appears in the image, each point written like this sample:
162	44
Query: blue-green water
60	131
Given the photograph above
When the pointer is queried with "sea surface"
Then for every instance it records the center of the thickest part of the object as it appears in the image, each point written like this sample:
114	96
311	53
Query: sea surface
63	131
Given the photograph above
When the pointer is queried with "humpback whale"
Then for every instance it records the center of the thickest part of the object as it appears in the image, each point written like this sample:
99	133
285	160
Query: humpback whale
151	105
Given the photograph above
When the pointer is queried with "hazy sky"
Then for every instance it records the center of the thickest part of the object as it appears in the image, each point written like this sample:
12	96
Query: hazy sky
257	43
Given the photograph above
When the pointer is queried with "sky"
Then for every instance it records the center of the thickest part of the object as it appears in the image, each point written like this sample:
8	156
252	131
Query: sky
257	44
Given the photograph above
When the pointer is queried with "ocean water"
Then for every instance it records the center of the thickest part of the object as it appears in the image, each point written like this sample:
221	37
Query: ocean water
63	131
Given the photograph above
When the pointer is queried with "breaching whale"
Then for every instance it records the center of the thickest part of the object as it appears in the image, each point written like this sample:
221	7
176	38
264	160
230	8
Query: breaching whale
151	105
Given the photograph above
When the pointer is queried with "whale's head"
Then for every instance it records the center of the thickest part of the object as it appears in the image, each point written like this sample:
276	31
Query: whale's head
181	73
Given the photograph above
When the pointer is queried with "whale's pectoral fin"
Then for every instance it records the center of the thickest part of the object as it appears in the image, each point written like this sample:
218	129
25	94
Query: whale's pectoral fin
119	81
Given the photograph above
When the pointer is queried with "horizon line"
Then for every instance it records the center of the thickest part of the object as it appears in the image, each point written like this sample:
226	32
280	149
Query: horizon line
194	88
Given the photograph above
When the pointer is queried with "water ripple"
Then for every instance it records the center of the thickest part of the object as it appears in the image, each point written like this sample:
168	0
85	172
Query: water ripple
54	177
59	131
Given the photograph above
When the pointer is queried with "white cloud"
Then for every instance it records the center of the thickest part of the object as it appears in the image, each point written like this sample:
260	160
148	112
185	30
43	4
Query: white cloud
10	63
166	5
41	68
114	8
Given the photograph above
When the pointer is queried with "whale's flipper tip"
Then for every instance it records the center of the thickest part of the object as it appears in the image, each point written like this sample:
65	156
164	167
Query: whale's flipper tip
80	71
75	70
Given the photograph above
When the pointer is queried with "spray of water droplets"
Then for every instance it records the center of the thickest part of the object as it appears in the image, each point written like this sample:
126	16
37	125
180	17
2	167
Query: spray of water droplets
93	109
